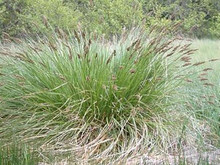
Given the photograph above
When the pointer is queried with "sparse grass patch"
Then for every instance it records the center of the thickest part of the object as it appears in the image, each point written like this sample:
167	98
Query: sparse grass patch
203	95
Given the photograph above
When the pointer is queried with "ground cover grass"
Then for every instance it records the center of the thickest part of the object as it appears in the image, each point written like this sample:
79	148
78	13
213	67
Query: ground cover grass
205	92
131	98
17	154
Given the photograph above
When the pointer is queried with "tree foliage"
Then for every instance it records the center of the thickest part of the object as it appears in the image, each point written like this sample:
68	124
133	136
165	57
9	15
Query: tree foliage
200	18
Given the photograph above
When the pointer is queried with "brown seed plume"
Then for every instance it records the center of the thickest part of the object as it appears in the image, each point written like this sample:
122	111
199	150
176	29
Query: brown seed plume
51	45
213	60
199	63
132	71
210	102
5	53
208	84
207	69
86	50
109	59
78	55
6	36
203	79
121	67
187	64
88	78
114	77
115	87
84	36
76	35
188	80
62	34
114	53
17	40
203	74
70	50
189	52
90	42
133	44
170	54
175	48
185	59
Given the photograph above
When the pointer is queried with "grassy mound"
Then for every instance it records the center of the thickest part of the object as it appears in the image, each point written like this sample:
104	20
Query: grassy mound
98	99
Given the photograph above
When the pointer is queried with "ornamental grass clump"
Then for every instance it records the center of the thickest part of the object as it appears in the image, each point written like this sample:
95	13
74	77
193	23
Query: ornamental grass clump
100	99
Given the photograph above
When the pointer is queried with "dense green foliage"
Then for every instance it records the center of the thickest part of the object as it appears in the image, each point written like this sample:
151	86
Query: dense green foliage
201	18
114	97
109	79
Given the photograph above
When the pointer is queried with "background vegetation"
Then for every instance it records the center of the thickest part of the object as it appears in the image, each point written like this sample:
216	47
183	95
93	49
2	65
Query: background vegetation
201	18
79	84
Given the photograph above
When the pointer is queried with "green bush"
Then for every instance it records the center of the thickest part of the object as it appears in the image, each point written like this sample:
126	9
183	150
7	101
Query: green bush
10	20
112	97
199	18
110	17
107	82
215	28
28	16
196	16
56	13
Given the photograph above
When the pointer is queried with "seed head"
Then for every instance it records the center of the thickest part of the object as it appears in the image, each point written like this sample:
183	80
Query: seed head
175	48
203	74
109	59
6	36
170	54
132	71
113	77
52	46
115	87
188	80
77	36
210	102
121	67
114	53
5	53
78	55
208	84
213	60
86	50
185	59
207	69
187	64
87	78
203	79
62	77
199	63
90	42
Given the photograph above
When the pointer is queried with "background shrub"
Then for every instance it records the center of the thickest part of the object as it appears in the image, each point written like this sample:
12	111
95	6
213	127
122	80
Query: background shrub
199	17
